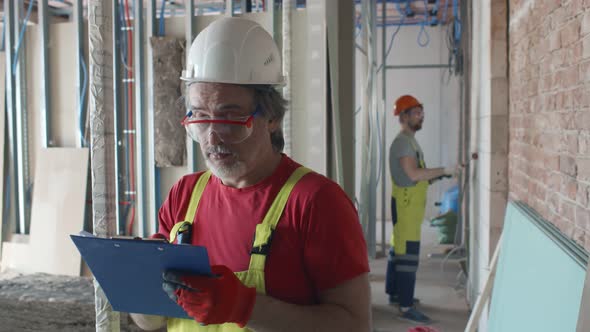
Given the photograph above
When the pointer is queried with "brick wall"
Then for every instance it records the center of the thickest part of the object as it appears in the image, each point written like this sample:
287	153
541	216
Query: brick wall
549	68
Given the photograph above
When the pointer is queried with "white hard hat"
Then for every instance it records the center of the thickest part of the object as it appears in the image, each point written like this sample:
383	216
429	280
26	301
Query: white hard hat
234	50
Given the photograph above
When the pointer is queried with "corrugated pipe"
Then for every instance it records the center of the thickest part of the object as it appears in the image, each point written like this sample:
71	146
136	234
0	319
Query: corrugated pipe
287	8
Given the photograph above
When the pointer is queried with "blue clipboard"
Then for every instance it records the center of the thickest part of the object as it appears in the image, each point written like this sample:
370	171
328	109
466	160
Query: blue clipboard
130	271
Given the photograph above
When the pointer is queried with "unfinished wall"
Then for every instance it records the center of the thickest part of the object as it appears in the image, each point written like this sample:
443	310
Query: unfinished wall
488	181
550	111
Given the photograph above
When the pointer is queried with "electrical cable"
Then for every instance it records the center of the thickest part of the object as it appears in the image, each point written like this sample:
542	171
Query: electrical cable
130	129
162	27
123	51
81	111
21	36
422	33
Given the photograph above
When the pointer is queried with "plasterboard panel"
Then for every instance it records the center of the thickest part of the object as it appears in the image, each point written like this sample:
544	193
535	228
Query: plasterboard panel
16	257
56	214
63	107
308	104
584	319
521	298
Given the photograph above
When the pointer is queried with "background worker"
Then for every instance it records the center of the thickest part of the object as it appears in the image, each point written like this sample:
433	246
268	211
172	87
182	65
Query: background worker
410	179
307	267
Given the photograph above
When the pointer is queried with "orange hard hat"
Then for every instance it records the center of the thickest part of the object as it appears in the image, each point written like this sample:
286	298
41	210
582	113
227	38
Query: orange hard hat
404	103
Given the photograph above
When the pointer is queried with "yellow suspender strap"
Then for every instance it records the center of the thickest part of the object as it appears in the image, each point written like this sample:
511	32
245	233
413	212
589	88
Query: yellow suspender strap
189	217
270	221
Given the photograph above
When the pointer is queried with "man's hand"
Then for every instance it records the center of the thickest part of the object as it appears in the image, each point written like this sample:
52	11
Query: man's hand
217	299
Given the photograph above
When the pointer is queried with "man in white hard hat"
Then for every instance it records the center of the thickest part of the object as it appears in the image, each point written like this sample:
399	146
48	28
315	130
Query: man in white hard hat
285	243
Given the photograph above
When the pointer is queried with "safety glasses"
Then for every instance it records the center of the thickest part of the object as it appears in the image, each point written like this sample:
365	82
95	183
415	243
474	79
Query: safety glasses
230	130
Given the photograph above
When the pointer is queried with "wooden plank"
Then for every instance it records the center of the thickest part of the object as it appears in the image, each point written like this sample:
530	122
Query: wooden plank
58	209
483	298
584	317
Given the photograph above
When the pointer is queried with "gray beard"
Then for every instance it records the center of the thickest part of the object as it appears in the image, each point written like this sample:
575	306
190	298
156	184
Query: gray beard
238	168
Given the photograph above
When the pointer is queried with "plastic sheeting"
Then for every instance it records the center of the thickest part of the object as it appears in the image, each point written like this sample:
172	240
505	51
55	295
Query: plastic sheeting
170	135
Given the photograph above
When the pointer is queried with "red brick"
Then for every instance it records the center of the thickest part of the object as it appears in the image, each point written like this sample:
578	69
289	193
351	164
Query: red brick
581	98
570	77
567	227
567	211
554	40
584	144
585	71
574	9
586	47
568	165
579	235
582	120
570	33
554	201
557	59
585	27
559	16
569	143
551	161
583	165
575	53
569	187
583	218
568	121
583	195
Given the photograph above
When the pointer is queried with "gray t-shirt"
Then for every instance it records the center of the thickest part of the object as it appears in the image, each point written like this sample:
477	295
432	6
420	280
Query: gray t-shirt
403	145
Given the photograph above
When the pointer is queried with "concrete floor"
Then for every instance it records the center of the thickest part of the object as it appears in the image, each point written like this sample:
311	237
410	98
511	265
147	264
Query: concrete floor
440	292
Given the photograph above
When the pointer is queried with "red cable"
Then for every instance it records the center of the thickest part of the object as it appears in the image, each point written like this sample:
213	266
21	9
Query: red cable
130	116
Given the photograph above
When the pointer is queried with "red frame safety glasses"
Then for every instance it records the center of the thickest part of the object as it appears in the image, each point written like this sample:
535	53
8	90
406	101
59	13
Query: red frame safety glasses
230	130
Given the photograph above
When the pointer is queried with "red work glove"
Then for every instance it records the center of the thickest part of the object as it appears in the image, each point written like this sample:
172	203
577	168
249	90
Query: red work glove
217	299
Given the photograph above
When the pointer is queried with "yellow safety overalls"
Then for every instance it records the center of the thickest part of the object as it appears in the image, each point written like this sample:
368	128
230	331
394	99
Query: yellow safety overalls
410	203
254	276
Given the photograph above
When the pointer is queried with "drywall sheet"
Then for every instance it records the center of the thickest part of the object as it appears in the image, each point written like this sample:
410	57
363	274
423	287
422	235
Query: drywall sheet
170	136
584	316
538	285
59	196
16	257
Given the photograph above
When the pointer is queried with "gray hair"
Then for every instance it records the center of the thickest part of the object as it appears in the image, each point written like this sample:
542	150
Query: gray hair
273	107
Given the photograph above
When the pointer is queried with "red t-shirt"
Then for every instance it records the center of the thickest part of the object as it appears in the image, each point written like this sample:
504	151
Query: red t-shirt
317	244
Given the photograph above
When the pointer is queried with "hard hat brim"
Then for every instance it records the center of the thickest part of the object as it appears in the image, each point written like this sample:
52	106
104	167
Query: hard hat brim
280	82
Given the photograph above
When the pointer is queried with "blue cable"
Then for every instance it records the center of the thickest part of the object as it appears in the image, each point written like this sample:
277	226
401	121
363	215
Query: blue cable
162	28
423	32
82	111
21	36
445	10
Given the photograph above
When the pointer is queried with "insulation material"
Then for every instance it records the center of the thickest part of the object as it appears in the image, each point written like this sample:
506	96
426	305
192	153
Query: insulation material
170	135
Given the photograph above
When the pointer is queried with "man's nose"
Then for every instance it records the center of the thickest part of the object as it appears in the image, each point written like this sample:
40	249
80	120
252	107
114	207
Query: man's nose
213	138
